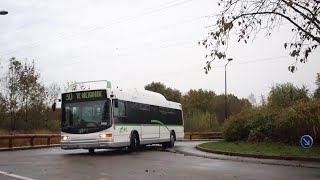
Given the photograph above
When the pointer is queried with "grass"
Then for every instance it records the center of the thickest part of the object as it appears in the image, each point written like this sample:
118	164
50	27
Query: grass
264	148
26	142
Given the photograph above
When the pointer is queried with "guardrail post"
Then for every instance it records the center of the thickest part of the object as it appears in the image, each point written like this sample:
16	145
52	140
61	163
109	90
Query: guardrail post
48	141
10	142
31	141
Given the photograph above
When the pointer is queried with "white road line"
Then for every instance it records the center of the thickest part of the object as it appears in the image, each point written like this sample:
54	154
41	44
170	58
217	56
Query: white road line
15	175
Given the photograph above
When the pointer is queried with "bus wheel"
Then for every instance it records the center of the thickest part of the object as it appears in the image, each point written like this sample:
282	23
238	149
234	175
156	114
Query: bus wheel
134	142
91	150
169	144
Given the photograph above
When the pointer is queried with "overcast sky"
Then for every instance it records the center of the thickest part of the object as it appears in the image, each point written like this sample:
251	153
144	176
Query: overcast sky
134	42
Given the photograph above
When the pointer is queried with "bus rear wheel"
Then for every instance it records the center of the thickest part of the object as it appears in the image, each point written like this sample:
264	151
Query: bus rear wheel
169	144
134	142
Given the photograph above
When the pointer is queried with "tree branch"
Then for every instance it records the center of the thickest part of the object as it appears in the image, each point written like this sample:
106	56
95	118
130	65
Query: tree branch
279	14
302	14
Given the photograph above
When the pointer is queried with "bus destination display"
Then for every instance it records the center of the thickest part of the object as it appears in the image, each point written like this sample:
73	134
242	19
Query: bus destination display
84	95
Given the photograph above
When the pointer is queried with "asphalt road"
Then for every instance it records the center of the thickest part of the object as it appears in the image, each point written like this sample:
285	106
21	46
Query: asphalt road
152	163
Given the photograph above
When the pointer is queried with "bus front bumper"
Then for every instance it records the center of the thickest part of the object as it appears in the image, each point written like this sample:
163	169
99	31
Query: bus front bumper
96	144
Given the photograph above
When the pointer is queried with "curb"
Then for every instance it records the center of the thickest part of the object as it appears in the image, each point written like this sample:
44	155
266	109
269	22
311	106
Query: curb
29	147
290	158
215	139
209	155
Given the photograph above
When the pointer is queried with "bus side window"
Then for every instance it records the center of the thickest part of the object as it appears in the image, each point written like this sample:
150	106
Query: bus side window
120	110
179	117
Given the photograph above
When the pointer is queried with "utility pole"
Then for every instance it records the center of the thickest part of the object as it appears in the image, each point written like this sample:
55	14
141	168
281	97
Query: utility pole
225	90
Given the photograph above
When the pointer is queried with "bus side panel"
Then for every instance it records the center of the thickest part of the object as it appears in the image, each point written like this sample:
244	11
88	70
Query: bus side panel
179	130
164	132
122	133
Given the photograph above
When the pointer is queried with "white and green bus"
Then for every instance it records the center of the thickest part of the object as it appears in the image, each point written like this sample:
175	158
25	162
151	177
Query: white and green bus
117	118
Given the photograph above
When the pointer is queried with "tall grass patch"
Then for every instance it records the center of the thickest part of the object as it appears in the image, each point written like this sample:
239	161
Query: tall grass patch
300	119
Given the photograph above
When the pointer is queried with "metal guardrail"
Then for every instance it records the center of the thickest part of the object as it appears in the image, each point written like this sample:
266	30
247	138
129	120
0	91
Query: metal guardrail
31	137
203	135
28	136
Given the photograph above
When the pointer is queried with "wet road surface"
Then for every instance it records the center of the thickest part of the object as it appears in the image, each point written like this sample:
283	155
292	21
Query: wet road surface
152	163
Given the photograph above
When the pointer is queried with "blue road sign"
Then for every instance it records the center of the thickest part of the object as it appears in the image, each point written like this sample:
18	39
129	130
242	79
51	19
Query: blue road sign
306	141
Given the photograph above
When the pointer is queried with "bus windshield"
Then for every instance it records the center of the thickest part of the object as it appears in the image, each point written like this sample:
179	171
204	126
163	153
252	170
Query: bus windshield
86	117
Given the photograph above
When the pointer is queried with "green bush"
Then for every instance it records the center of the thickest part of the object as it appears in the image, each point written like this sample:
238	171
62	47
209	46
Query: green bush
256	124
235	128
297	120
261	125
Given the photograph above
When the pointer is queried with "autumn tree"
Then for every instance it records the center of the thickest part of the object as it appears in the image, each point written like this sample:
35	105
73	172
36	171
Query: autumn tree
206	101
246	18
24	95
11	90
285	95
169	93
235	105
198	101
32	92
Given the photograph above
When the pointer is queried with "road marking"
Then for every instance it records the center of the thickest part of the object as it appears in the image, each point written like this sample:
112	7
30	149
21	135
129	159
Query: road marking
15	175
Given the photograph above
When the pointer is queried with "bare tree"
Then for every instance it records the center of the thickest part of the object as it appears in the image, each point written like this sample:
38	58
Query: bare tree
246	18
76	86
53	92
252	99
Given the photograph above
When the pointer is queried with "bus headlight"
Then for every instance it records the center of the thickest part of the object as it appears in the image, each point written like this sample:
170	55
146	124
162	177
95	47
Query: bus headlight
105	136
64	138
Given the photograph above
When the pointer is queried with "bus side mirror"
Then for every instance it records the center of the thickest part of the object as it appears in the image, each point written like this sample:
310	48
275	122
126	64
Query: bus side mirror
116	103
53	107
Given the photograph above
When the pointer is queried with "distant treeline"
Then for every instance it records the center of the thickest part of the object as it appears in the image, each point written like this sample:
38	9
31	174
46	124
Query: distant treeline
203	110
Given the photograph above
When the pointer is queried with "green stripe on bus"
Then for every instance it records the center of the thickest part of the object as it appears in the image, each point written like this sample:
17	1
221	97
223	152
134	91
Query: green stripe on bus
157	121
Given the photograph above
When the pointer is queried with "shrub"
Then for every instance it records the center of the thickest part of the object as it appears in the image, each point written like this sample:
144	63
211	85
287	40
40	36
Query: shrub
235	128
297	120
261	125
255	124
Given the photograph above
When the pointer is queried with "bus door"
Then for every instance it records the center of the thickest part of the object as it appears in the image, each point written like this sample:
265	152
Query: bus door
150	130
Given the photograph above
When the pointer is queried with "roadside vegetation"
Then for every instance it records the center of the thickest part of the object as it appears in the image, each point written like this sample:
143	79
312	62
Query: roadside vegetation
289	113
263	148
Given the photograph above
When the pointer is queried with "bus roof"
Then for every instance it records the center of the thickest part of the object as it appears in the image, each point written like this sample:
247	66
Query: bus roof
145	97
